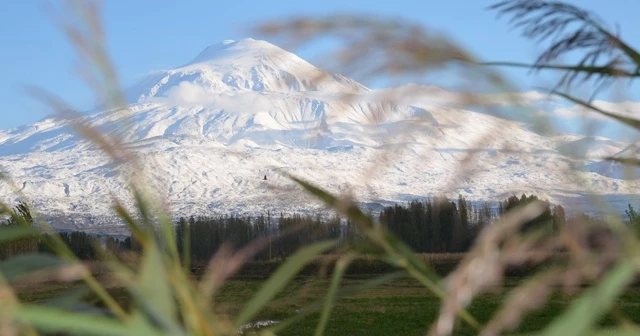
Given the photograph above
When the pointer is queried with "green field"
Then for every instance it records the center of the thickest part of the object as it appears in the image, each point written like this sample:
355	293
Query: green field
401	307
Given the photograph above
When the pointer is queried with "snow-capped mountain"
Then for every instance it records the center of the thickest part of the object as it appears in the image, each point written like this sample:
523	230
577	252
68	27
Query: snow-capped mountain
246	65
209	132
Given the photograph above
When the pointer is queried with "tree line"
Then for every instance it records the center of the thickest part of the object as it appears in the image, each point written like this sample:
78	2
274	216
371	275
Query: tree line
435	225
85	246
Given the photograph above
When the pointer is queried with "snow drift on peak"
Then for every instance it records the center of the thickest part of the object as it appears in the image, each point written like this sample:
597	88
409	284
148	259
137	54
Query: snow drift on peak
245	65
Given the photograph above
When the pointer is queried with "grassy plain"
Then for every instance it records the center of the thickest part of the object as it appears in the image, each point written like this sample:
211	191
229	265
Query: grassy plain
400	307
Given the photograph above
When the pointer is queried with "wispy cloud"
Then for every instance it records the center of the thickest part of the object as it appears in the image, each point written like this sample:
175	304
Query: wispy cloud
627	108
432	95
190	93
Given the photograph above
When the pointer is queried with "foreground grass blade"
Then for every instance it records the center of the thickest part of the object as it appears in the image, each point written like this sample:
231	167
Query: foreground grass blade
22	265
153	291
10	233
599	70
625	120
330	297
585	311
136	232
351	211
316	305
614	331
280	279
620	44
55	320
399	252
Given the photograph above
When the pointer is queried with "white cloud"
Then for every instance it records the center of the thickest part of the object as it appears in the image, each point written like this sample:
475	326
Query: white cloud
423	94
544	105
627	108
189	93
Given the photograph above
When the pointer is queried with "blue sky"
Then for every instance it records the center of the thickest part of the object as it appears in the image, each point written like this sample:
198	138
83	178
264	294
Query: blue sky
148	35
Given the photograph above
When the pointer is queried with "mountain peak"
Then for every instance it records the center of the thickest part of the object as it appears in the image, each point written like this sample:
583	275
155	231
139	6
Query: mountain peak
231	49
243	65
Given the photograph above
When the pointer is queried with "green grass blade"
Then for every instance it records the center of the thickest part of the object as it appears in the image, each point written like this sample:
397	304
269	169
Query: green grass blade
168	233
68	298
614	331
426	276
413	260
154	316
351	211
143	208
338	273
136	232
53	320
585	311
280	279
316	305
153	287
9	233
404	255
24	264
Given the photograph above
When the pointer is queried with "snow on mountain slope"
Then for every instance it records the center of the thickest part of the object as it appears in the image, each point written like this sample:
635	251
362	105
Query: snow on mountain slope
618	170
245	65
209	131
590	147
